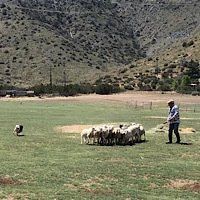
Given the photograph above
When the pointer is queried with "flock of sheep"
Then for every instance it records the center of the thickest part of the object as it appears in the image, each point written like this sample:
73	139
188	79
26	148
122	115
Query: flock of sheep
122	134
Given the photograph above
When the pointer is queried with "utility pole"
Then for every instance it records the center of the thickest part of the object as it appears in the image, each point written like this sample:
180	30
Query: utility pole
50	78
64	78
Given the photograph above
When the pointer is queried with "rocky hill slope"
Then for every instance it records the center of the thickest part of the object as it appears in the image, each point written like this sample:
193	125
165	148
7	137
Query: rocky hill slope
80	41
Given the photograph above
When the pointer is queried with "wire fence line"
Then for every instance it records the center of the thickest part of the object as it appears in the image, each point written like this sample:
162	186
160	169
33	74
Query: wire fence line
195	108
140	105
190	108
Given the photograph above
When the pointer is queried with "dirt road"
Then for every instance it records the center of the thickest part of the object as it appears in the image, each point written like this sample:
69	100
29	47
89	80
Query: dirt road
126	97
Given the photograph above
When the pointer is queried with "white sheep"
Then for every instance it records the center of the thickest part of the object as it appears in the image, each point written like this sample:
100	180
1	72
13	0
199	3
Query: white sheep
123	126
141	132
131	134
109	134
104	135
133	124
86	135
97	134
118	133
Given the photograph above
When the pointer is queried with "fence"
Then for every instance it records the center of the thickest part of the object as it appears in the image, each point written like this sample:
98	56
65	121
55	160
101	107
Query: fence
140	105
190	108
150	105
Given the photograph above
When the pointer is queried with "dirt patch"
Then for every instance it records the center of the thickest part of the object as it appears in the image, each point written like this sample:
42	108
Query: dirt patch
126	97
184	184
94	185
187	130
153	186
7	180
77	128
160	117
71	187
10	197
163	128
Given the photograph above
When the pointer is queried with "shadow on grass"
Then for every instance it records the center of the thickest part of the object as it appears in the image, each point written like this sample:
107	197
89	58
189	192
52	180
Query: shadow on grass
128	144
21	135
142	141
181	143
185	143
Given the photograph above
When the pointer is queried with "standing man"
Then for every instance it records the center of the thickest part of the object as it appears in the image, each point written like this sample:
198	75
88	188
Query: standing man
173	121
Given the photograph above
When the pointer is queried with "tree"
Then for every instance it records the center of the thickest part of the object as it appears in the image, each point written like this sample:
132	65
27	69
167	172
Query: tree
105	88
185	81
175	84
193	69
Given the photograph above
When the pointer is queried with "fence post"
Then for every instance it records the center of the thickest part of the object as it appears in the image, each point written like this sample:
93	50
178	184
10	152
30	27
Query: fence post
151	105
135	104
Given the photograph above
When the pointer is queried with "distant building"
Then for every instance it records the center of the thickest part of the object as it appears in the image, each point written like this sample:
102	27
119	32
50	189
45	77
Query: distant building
2	93
16	93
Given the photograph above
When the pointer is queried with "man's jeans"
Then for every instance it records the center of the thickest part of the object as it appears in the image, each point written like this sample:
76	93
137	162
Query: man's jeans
174	127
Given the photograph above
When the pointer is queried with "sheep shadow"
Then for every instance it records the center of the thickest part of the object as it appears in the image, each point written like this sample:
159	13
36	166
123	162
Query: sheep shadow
120	144
142	141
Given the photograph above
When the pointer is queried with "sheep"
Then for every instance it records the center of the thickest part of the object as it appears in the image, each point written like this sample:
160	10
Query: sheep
110	134
141	132
18	129
119	134
123	126
131	134
104	135
100	134
91	135
86	135
133	124
97	134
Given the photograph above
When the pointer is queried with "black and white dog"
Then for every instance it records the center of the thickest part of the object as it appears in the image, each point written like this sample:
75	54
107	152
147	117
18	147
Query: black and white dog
18	129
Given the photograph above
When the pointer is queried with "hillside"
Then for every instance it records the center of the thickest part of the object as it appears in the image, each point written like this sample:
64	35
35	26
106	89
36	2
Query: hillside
162	68
80	41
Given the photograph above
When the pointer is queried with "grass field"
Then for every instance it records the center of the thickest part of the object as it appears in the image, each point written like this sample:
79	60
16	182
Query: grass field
45	164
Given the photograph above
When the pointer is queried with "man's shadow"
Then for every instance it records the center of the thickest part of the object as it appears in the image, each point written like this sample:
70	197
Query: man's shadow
185	143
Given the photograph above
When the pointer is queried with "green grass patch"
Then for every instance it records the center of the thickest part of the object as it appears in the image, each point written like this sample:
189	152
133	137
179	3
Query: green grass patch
45	164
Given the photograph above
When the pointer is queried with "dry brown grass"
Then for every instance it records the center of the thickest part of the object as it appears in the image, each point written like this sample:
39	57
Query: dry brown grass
184	184
174	54
76	128
71	186
95	185
153	186
7	180
128	98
